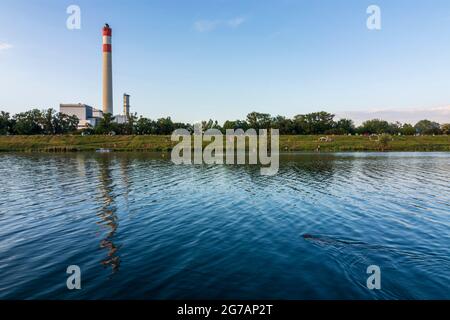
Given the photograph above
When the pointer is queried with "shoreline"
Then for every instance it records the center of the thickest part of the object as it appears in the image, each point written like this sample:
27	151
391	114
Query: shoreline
157	143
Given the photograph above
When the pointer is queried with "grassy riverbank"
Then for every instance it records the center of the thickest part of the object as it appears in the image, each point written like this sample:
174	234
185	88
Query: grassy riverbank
163	143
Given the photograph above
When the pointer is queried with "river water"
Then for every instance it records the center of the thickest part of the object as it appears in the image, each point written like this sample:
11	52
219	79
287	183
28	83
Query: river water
140	227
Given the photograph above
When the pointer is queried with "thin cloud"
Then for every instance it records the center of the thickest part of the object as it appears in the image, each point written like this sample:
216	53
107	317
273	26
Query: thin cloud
206	25
211	25
5	46
438	114
236	22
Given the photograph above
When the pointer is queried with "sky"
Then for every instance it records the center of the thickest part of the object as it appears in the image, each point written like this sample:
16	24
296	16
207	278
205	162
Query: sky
221	59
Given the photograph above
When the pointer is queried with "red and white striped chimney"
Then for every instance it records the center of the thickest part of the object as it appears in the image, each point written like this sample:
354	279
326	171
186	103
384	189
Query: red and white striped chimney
107	71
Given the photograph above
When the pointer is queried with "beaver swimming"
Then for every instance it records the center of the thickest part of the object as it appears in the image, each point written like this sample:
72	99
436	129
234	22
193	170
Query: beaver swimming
330	240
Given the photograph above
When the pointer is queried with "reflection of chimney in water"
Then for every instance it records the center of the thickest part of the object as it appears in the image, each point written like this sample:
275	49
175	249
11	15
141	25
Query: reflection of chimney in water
108	214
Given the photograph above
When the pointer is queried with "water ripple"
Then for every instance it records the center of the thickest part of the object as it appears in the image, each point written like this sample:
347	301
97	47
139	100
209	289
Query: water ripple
141	227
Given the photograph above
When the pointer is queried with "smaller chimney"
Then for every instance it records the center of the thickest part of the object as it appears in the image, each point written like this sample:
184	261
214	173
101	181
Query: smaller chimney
126	104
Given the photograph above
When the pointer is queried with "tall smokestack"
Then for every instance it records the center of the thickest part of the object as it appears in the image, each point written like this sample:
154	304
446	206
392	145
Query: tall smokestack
126	104
107	71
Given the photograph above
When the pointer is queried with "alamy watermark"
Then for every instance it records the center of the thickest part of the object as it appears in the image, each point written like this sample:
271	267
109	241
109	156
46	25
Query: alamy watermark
235	152
374	20
73	282
374	280
73	21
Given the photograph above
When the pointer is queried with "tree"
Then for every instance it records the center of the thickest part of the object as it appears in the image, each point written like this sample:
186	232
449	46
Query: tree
258	120
211	124
48	121
445	128
63	123
28	123
427	127
106	125
314	123
395	128
229	125
145	126
129	126
344	126
300	126
286	126
374	126
164	126
408	130
180	125
234	125
5	123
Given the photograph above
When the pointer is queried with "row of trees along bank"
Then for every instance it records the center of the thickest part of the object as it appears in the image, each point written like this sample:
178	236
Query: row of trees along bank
50	122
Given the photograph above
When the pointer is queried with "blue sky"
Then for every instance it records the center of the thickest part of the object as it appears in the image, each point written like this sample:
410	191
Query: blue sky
221	59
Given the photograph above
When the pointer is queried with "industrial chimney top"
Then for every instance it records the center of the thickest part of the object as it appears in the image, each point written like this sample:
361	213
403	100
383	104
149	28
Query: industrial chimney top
107	31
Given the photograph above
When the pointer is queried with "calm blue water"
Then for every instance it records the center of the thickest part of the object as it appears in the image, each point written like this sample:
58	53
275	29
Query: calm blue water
140	227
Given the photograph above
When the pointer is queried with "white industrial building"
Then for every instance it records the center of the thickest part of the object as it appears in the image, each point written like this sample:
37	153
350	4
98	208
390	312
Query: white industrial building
87	115
90	116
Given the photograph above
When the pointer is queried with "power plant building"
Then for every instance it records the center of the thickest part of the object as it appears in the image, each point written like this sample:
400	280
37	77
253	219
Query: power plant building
87	115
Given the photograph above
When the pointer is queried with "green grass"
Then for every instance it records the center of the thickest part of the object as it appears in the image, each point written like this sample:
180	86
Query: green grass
361	143
68	143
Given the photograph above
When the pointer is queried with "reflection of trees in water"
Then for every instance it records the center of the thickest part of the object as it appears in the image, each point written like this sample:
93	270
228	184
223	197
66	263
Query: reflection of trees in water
319	170
312	165
108	214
